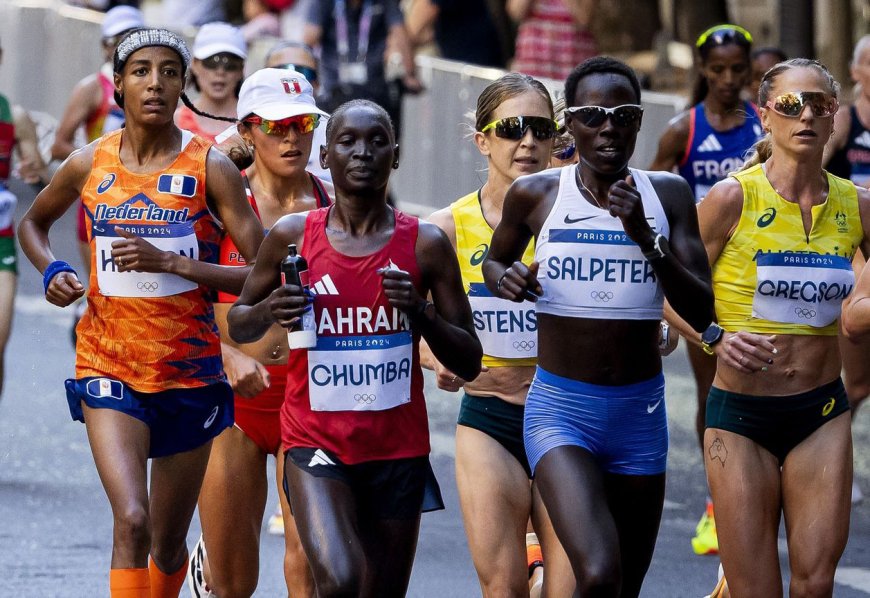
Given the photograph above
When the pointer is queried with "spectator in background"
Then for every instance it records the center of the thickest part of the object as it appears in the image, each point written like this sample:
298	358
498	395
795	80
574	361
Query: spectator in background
464	30
219	53
180	14
553	35
763	59
356	39
262	18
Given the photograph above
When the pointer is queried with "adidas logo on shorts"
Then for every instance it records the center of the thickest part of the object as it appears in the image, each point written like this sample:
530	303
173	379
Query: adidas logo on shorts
320	458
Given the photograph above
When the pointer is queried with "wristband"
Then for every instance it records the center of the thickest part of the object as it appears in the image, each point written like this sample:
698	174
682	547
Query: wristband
53	269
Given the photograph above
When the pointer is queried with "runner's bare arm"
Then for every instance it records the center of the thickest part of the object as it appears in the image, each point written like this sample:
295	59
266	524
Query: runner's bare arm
31	166
264	300
450	335
82	103
672	145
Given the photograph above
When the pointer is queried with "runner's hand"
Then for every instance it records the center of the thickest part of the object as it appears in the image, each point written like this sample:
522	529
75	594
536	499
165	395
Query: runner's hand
287	303
132	253
520	283
64	288
447	380
246	375
627	205
747	352
400	291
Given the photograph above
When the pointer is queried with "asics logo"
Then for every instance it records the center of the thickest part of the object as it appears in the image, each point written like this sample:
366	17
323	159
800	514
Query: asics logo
805	313
766	218
653	406
479	255
601	296
524	345
829	406
211	418
368	399
147	286
320	458
569	220
107	182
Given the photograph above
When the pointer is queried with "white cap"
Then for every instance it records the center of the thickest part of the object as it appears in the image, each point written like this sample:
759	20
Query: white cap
214	38
274	94
120	19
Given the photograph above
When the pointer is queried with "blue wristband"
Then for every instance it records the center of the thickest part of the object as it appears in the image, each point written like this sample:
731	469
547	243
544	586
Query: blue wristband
53	269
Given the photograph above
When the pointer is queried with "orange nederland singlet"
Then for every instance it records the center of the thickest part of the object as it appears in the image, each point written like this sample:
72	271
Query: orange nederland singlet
152	331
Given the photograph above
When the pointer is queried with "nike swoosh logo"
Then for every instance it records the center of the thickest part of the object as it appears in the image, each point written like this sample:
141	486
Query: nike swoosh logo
569	220
9	259
653	407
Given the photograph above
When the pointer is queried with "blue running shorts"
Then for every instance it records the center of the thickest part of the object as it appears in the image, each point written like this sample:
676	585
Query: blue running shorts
624	427
180	419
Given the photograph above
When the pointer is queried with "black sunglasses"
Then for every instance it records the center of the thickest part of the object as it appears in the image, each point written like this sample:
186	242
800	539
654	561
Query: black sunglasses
231	64
306	71
626	115
514	127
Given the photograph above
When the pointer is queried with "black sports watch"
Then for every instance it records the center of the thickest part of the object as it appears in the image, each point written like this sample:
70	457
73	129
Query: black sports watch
710	337
659	249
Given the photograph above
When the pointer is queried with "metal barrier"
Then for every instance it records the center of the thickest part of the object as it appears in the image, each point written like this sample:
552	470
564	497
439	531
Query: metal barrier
49	46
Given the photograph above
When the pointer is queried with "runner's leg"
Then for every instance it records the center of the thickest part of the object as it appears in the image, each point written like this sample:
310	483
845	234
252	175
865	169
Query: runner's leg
297	573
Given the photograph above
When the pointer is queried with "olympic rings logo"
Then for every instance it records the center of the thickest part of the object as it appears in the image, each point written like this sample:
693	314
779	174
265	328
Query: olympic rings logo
601	296
148	286
365	398
524	345
805	313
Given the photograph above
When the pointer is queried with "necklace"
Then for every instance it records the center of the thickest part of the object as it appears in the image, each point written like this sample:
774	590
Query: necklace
592	195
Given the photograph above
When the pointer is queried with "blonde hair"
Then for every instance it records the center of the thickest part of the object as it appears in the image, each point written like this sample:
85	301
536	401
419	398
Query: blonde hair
763	148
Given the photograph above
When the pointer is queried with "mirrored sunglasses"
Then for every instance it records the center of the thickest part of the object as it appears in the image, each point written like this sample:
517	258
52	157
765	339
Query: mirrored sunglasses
792	104
515	127
721	35
231	64
306	71
303	123
626	115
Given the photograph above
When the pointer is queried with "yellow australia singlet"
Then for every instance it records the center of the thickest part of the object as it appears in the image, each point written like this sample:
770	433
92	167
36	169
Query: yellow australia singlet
508	331
772	278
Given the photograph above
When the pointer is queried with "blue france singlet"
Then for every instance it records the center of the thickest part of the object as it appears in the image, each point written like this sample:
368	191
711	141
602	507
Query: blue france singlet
711	155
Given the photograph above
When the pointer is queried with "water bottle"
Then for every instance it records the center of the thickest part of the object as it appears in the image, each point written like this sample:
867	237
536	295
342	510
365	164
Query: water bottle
294	270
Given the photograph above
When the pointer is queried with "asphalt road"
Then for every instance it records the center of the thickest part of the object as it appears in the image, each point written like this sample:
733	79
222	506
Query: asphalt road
56	529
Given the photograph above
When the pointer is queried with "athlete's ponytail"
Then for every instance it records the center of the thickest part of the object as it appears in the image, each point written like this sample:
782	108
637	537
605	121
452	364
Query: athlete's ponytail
199	112
759	153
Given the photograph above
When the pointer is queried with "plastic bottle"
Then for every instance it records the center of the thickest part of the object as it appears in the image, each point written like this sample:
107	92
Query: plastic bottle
294	270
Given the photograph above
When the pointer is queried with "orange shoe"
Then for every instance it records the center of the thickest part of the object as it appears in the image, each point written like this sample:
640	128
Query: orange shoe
534	556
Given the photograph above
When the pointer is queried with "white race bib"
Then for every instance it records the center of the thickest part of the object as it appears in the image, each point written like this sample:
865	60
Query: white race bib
506	329
801	288
360	373
178	238
607	269
7	207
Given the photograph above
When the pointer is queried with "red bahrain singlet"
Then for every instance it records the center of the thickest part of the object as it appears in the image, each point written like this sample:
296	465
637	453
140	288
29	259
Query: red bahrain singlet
359	393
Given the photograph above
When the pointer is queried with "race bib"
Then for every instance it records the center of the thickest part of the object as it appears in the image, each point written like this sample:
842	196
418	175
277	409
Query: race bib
360	373
801	288
7	208
607	269
506	329
178	238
